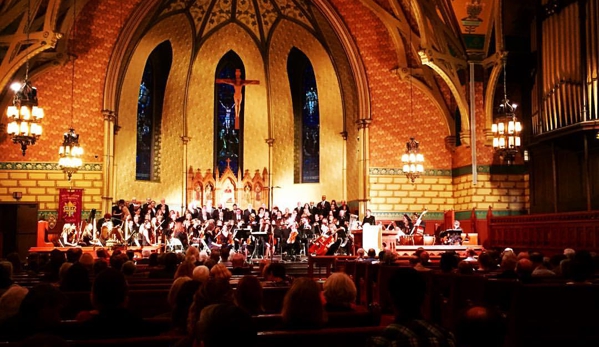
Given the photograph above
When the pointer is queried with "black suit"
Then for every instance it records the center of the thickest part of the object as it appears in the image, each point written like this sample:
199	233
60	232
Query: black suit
370	220
247	213
324	207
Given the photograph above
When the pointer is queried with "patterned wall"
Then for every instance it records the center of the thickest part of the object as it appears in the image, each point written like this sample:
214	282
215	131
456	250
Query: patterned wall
392	125
331	118
484	153
177	30
200	99
38	178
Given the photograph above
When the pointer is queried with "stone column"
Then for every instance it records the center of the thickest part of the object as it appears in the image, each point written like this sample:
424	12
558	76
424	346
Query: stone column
108	168
364	165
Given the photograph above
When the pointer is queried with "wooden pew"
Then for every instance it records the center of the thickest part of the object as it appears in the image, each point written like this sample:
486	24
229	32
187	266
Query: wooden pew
347	337
146	303
554	315
361	317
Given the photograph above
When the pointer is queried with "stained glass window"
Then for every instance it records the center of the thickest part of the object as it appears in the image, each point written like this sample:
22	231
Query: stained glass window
304	93
149	112
228	141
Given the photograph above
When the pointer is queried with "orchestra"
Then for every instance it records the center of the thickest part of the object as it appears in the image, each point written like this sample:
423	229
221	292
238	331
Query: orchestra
309	229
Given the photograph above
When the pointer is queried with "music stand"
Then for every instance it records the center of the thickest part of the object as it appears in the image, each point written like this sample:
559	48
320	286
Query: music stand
259	236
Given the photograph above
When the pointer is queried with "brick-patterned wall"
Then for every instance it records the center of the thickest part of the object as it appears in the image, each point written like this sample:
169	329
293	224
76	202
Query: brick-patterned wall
395	193
42	186
501	191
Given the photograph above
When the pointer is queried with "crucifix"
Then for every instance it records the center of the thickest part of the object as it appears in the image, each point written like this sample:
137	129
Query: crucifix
237	84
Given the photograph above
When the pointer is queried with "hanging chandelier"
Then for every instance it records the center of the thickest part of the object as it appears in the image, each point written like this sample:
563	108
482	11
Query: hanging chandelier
70	151
24	116
412	160
70	154
506	129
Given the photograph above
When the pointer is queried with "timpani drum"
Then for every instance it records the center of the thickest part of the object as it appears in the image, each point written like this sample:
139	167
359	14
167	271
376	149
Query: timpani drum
418	239
429	240
406	240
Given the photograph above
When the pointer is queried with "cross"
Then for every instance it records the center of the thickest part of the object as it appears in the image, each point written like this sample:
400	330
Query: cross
237	84
228	162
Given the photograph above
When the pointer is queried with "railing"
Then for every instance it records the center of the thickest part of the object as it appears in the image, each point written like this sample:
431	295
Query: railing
545	232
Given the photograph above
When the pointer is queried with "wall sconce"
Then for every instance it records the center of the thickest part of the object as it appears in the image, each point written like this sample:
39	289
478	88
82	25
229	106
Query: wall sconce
17	195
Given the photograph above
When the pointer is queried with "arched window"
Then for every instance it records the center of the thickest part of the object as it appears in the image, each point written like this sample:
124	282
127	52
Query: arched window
149	112
228	141
304	94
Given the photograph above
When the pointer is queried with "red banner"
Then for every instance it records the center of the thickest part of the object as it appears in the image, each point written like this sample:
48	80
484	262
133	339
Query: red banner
69	205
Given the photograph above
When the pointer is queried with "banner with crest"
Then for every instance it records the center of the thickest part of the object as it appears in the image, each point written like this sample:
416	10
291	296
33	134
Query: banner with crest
70	205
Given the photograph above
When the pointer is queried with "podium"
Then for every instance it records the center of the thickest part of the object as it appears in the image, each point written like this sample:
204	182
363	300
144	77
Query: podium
372	237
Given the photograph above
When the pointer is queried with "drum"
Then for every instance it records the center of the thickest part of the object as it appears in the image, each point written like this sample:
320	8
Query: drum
406	240
418	239
429	240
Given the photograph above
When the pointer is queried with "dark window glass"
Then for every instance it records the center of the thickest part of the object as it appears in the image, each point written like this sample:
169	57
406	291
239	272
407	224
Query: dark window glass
304	94
149	112
228	141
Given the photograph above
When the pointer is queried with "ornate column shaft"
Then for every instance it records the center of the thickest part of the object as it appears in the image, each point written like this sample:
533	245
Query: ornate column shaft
108	168
344	166
185	140
364	164
270	142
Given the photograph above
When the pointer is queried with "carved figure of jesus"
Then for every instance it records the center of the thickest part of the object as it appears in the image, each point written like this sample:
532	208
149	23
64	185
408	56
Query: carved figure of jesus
237	84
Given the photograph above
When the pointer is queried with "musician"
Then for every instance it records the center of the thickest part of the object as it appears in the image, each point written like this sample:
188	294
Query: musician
147	233
344	241
293	241
324	207
133	227
107	218
163	207
68	235
368	218
306	234
248	212
407	225
160	227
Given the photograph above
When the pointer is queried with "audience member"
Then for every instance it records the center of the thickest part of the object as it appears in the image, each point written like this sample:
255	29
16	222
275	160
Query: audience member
249	295
524	269
15	260
168	270
183	301
39	312
5	276
87	260
10	302
480	327
225	325
128	269
486	264
201	273
339	293
185	269
302	306
465	268
220	272
275	274
76	279
113	319
409	328
212	292
508	266
540	270
448	262
175	287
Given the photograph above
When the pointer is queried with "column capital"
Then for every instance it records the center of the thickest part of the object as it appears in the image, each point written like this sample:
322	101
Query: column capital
109	115
364	123
344	135
270	141
185	139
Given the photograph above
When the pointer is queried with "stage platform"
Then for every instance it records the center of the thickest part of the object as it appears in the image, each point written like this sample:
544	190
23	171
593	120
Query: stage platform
435	250
92	249
402	250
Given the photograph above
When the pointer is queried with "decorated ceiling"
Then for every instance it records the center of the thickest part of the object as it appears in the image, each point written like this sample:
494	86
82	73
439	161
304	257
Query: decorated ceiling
258	17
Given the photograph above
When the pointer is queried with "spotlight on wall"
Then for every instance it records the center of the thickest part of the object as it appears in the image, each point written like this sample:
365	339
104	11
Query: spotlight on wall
17	195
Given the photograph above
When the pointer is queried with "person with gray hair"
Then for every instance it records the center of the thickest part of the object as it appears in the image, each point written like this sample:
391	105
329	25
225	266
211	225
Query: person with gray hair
339	292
